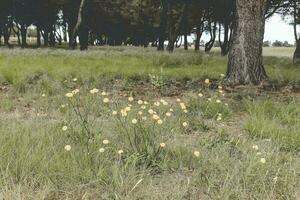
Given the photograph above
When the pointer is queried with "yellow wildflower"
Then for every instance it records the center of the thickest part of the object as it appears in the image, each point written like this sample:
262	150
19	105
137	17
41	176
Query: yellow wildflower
120	152
197	153
105	141
69	95
134	121
68	147
64	128
130	99
162	145
168	114
94	91
185	124
255	147
101	150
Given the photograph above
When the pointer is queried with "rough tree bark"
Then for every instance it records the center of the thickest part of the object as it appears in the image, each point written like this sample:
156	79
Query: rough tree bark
245	65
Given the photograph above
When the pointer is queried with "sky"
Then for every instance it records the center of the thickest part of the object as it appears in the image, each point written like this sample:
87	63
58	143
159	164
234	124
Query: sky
277	29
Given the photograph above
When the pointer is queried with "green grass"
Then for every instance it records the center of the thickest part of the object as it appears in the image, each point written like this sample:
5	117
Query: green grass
278	121
254	125
19	67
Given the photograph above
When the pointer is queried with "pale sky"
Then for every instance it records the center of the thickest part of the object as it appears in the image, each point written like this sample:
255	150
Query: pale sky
277	29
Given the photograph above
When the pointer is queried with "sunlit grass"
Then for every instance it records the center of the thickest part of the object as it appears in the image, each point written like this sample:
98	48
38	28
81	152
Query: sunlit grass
278	121
27	66
126	123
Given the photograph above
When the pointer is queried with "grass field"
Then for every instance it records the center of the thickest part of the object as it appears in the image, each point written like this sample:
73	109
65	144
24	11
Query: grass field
132	123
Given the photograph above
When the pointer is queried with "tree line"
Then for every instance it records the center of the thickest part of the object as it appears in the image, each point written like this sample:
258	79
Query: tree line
236	25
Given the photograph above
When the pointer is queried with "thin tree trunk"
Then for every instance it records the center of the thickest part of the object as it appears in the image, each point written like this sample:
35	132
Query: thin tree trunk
296	56
199	32
38	36
225	44
83	37
162	26
209	45
174	27
77	25
186	45
17	32
52	37
0	35
171	29
46	37
6	35
24	35
178	42
245	65
65	32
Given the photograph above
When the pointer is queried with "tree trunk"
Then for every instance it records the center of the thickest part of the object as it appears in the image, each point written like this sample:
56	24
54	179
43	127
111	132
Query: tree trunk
0	35
174	26
46	37
6	35
17	32
245	56
24	35
171	29
209	45
225	44
296	57
178	42
52	38
199	32
185	42
65	32
162	26
83	37
38	36
77	25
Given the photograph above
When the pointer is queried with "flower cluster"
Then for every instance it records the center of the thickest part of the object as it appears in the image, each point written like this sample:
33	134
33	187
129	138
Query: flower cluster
142	124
